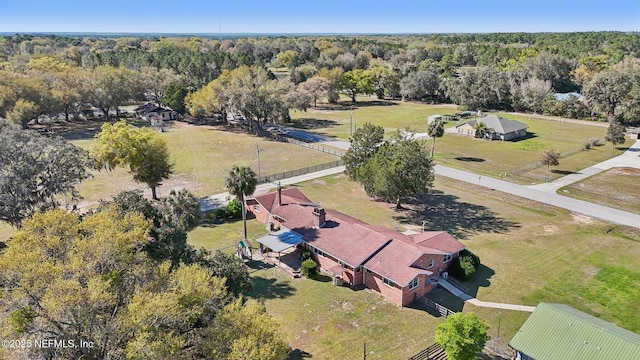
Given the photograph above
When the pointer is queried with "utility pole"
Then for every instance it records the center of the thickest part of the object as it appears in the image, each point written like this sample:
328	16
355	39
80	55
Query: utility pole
258	154
351	121
499	313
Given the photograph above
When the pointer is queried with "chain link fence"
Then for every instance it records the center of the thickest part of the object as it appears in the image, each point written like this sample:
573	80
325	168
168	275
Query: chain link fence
297	172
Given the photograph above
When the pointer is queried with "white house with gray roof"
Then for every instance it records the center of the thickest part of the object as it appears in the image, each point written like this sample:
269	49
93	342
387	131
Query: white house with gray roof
498	128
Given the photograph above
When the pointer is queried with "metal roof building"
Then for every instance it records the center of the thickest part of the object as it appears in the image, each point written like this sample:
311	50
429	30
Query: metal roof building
560	332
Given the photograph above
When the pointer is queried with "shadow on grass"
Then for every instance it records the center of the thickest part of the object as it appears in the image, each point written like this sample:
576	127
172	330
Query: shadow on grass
443	212
321	278
298	354
311	123
257	265
469	159
480	279
563	172
446	299
526	137
270	288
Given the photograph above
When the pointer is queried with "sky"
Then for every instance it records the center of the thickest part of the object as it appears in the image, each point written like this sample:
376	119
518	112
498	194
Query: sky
318	16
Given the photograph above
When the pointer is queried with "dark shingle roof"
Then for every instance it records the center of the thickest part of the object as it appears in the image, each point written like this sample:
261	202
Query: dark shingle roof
499	124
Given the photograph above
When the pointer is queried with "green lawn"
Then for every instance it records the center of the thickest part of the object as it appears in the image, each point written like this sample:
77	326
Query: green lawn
331	322
224	236
203	156
530	253
617	188
490	158
334	120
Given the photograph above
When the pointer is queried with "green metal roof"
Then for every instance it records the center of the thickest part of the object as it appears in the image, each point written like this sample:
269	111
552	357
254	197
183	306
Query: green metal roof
560	332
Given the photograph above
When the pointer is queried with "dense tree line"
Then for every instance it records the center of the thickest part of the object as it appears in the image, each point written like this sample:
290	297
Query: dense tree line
121	277
51	75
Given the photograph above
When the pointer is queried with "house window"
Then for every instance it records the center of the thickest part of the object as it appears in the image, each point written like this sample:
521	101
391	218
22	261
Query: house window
469	132
387	282
358	269
430	264
368	271
256	208
414	283
460	130
344	265
319	252
447	258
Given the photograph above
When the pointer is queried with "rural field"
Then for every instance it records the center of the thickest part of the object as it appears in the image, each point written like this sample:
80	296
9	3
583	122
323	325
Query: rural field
203	156
618	188
489	158
530	253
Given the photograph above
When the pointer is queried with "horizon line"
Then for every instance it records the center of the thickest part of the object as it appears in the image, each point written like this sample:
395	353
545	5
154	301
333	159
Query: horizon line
297	33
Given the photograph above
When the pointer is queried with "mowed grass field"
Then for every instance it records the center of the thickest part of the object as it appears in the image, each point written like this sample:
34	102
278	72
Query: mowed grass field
203	156
334	120
490	158
530	253
617	188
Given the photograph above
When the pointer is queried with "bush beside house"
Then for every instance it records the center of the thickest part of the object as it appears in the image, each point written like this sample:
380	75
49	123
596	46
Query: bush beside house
465	266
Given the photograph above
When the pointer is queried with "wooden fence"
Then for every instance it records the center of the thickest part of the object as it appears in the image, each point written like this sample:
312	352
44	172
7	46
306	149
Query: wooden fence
433	352
443	311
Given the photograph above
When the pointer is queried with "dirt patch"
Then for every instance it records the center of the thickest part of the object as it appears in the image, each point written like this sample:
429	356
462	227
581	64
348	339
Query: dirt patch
320	182
625	171
582	219
590	270
548	229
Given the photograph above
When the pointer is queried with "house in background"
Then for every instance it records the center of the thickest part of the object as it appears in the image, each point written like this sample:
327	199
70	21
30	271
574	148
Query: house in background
498	128
560	332
433	118
400	267
155	114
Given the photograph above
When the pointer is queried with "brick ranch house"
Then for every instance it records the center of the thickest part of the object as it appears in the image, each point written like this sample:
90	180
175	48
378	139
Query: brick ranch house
400	267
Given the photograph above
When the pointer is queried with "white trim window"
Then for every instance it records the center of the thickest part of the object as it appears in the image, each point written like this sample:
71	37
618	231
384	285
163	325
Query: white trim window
448	258
256	208
414	283
431	264
387	282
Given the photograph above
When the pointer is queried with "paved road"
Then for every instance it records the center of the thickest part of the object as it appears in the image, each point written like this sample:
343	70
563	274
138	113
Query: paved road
219	200
544	195
578	206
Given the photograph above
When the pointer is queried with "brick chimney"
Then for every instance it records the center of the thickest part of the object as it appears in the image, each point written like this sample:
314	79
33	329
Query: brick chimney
279	194
318	217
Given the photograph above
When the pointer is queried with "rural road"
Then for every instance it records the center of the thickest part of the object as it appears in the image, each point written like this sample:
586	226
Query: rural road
542	193
578	206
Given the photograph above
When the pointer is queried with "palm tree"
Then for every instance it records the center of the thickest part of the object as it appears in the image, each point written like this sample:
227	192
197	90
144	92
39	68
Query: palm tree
241	182
435	129
480	128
